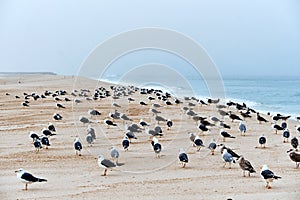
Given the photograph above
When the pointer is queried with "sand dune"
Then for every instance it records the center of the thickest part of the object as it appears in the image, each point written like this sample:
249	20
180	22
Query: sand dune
142	176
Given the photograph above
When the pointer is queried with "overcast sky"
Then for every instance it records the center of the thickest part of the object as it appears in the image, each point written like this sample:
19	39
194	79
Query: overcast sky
255	37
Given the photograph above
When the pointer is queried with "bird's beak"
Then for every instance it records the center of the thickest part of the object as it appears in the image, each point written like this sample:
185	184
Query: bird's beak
16	171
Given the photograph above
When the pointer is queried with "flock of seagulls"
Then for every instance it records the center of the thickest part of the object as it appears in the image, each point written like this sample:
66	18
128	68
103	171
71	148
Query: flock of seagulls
157	126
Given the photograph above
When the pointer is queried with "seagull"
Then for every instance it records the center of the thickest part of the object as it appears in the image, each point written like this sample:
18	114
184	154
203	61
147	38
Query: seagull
45	141
33	135
114	116
212	146
169	124
223	113
27	178
89	138
277	128
37	144
158	129
114	153
242	128
58	105
77	146
284	125
57	116
125	117
214	119
203	128
198	142
268	176
225	134
51	127
227	157
47	132
152	132
155	112
262	141
143	103
234	117
109	123
93	112
156	147
130	99
245	165
125	143
286	135
116	105
25	104
143	123
260	118
104	163
130	135
183	158
84	120
298	128
160	119
295	143
294	157
92	132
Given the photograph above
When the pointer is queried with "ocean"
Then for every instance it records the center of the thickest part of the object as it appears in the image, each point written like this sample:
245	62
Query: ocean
262	93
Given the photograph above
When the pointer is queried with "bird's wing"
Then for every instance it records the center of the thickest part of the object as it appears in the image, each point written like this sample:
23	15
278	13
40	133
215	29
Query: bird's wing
297	157
267	174
227	157
108	163
183	157
28	177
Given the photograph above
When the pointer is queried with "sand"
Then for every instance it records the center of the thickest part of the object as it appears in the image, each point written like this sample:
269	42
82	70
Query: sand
142	176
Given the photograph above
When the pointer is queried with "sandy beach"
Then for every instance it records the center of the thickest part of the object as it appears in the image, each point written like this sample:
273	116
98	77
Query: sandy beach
143	176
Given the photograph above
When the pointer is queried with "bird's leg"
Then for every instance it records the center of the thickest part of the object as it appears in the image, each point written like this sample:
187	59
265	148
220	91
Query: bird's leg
249	173
244	173
268	185
230	165
26	186
104	173
212	152
183	165
224	164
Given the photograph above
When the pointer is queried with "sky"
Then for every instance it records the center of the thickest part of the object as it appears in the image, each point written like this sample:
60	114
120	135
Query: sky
251	37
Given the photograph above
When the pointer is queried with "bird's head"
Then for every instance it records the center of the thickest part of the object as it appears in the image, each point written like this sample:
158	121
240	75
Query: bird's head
112	148
264	167
20	170
100	157
291	150
181	150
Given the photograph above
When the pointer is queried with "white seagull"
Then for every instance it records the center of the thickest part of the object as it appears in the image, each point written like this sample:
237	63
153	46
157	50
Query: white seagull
27	178
268	175
106	164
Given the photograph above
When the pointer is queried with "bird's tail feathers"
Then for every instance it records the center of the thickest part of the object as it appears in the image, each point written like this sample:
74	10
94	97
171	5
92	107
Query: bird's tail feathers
42	180
277	177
